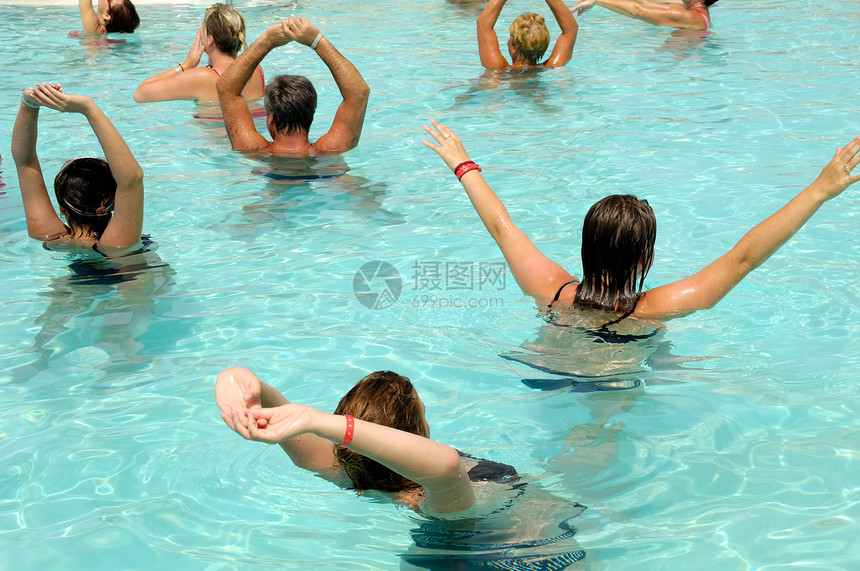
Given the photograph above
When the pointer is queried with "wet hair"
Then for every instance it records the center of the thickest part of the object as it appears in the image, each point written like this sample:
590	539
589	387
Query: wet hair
85	189
291	102
709	2
388	399
227	28
123	18
530	35
617	251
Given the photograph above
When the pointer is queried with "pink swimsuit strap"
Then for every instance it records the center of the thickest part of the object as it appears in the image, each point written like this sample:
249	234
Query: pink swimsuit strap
707	22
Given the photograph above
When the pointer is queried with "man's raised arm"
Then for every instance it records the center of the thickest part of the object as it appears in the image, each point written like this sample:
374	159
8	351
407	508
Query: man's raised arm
345	130
237	117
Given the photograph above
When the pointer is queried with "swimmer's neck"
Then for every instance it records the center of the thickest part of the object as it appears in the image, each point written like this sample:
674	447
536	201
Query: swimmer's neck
296	144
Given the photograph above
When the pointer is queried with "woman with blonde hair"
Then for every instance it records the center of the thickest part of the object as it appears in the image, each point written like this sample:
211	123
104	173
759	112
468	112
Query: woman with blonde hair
529	37
221	38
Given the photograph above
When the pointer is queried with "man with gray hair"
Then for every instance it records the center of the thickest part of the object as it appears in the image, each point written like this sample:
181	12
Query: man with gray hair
291	100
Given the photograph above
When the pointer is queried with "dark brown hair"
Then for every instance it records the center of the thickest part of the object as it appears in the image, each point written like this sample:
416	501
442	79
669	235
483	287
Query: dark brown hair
617	251
388	399
85	189
123	18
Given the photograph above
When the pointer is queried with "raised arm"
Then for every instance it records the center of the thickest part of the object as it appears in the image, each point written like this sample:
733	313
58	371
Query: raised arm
126	223
563	49
183	81
42	220
537	275
433	465
238	390
237	117
488	42
345	129
710	285
659	14
89	18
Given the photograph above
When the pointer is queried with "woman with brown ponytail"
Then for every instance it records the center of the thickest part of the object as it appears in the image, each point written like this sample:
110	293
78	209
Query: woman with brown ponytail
221	38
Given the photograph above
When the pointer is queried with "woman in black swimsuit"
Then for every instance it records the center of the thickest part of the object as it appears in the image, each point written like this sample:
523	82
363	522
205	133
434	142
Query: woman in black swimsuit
377	439
618	243
101	200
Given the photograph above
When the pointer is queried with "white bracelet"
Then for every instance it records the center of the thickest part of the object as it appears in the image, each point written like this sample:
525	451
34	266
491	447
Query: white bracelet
28	104
316	41
178	69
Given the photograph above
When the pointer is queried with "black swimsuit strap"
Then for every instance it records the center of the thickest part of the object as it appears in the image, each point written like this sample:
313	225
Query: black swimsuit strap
558	293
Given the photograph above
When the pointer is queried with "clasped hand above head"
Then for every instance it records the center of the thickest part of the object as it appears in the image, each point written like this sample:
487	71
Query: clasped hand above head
51	95
294	30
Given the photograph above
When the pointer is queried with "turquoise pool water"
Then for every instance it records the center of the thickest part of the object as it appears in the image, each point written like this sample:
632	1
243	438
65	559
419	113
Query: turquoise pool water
739	448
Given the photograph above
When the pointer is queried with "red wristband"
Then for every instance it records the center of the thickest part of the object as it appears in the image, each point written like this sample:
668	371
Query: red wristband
465	167
350	429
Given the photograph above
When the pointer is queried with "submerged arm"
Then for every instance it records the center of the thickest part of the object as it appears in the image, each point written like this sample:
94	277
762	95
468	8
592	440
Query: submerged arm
537	275
563	49
488	42
705	288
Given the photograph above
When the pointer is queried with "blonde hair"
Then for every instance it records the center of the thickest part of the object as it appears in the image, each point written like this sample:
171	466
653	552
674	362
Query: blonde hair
227	28
530	36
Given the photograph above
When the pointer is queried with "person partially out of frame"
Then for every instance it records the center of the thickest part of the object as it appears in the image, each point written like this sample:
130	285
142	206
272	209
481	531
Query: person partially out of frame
291	100
686	14
618	243
100	200
111	16
528	40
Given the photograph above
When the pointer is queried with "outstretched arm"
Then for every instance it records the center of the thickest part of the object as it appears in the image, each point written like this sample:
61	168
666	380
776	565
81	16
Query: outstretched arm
563	49
488	42
707	287
177	83
537	275
237	117
42	220
345	129
433	465
674	15
238	390
127	221
89	18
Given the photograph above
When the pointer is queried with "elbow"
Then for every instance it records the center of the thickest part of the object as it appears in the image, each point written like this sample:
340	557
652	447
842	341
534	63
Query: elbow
138	96
449	464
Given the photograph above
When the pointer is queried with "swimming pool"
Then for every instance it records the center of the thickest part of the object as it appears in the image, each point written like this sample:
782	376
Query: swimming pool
739	449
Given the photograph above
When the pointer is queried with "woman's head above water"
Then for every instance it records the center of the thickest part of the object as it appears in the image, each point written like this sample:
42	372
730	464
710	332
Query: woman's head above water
388	399
227	28
617	251
85	189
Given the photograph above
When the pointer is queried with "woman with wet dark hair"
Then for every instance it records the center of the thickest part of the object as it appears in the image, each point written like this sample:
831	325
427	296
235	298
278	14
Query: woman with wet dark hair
101	200
618	243
111	16
377	439
686	14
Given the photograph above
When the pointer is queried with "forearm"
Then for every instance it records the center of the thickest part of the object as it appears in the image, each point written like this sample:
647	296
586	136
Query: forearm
768	236
24	135
414	457
490	15
629	8
353	88
124	167
89	19
233	80
271	397
563	16
487	204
